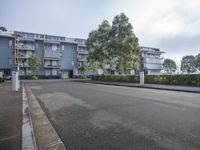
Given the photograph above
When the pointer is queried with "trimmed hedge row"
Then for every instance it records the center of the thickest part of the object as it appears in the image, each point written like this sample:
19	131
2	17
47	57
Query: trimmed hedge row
117	78
180	79
29	77
2	79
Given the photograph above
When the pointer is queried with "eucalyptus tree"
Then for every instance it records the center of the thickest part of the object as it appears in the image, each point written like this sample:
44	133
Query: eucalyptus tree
123	42
97	43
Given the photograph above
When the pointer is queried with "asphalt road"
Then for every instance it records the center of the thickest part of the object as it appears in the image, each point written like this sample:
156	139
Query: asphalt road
101	117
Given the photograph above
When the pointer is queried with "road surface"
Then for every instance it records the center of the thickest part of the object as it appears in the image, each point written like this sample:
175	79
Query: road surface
102	117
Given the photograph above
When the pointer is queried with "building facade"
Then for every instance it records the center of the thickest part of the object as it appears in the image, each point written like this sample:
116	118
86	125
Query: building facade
151	60
60	56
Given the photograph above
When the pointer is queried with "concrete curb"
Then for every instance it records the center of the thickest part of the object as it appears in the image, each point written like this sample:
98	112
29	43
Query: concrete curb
139	86
28	138
45	135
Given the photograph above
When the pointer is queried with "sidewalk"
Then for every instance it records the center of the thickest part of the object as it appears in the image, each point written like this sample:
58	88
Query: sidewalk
150	86
10	117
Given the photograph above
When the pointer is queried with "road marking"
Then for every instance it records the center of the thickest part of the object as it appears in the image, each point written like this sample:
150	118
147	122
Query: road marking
28	140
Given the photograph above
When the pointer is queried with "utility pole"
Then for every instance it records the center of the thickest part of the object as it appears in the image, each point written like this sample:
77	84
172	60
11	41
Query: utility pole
15	72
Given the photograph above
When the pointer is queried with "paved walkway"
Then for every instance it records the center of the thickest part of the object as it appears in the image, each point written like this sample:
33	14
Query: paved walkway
10	117
151	86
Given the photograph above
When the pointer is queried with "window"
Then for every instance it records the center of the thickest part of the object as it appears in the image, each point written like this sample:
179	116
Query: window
63	47
54	47
10	42
37	45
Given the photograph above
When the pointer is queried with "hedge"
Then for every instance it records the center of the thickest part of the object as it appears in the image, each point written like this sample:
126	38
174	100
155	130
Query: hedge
117	78
28	77
180	79
2	79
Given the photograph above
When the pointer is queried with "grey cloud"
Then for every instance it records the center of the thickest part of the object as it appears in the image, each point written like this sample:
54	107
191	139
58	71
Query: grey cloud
180	43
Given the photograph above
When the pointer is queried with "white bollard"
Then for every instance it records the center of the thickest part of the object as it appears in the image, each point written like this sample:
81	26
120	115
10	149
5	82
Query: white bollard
15	81
141	78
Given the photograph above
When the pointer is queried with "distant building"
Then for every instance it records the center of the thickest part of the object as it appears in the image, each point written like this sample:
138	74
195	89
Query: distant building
151	60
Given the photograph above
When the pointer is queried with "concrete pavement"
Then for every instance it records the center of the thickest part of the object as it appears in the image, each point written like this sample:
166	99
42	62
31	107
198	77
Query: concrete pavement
93	116
10	117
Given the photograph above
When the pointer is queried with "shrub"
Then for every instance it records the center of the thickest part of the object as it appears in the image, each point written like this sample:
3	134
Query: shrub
28	77
2	79
34	78
180	79
117	78
82	77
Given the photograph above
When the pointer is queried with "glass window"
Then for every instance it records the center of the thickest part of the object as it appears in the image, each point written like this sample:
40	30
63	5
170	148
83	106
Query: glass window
10	42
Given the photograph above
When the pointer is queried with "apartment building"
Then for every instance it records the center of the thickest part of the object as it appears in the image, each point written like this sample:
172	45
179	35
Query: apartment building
59	55
151	59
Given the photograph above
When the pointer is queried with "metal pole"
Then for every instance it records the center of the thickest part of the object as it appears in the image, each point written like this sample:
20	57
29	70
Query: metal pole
142	78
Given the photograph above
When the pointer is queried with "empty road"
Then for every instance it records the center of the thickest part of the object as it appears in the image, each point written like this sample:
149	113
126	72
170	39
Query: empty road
101	117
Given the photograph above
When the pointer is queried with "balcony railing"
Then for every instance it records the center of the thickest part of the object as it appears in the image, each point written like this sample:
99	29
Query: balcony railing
23	65
24	47
51	54
51	66
83	52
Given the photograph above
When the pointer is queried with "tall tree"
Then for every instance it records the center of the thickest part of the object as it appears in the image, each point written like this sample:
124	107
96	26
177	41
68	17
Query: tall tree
188	64
169	65
97	43
92	65
34	63
198	61
123	40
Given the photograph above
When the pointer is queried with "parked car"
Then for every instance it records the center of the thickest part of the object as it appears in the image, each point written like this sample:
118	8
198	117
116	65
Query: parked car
8	77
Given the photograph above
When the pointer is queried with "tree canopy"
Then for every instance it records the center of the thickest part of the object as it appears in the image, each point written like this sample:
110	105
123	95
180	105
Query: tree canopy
198	61
124	43
97	43
34	63
188	64
169	65
115	45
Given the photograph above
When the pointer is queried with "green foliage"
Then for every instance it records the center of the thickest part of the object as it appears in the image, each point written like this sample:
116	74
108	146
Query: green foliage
117	78
198	61
2	79
34	63
92	65
97	43
124	43
169	65
82	77
82	68
34	78
114	45
181	79
188	64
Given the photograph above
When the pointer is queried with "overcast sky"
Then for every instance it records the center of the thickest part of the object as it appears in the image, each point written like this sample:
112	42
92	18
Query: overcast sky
171	25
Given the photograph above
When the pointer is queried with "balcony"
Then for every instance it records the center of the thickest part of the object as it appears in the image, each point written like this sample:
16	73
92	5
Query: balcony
82	59
23	57
52	66
23	65
51	54
24	47
83	52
